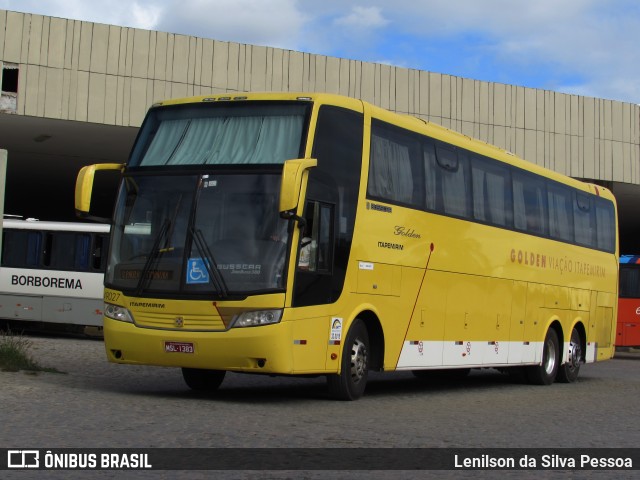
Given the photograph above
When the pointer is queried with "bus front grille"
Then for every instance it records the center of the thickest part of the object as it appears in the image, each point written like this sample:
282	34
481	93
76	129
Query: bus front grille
179	322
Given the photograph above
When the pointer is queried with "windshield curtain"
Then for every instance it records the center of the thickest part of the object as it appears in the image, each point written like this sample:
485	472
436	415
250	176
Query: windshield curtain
209	133
213	235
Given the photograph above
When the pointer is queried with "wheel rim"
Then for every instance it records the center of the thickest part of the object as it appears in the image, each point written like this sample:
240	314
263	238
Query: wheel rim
358	361
550	357
575	351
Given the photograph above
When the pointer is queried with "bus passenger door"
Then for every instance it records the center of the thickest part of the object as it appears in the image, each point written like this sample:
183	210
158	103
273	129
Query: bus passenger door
314	267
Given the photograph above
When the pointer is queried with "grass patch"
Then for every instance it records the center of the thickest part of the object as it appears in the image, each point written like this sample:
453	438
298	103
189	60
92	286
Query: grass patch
14	354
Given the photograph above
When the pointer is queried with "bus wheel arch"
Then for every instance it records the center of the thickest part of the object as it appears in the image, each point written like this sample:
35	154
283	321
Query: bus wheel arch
376	339
361	353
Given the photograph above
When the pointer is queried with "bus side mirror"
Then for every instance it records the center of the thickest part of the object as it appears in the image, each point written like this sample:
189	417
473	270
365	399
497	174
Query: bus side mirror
292	176
85	189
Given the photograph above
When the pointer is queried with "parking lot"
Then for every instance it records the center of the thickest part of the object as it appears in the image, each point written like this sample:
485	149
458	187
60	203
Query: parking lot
95	404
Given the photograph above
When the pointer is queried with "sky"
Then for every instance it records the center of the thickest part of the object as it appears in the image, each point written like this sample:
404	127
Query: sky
582	47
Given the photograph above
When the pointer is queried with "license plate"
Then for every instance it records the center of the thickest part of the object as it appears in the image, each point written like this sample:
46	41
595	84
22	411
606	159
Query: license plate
179	347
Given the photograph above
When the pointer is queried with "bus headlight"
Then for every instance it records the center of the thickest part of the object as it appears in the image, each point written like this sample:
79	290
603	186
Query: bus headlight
253	319
117	313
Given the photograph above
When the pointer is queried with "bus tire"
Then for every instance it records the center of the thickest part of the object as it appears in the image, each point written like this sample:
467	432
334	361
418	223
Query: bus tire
354	369
201	380
568	372
545	373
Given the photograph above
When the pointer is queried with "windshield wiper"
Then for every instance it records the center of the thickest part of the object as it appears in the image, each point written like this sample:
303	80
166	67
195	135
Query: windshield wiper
153	255
210	263
165	231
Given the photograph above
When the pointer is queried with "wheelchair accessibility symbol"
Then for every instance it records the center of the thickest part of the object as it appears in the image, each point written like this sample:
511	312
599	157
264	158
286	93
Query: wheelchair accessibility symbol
197	271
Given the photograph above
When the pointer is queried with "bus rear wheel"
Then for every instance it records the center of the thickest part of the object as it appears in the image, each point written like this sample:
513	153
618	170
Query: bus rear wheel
354	369
568	372
201	380
545	373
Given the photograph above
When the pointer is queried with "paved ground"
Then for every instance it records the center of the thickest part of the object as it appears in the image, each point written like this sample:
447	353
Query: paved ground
93	403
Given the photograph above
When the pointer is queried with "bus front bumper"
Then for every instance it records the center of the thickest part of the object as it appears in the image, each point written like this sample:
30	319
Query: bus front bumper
262	349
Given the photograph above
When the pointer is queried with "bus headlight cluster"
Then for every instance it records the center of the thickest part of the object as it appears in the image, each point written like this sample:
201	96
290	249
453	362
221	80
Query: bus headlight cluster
117	313
260	317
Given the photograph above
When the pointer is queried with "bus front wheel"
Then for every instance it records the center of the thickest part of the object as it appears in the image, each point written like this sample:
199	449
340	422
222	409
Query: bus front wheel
568	372
201	380
354	369
545	373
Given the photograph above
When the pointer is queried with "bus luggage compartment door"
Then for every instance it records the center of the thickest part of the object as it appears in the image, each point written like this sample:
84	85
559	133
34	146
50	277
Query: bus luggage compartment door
21	307
77	311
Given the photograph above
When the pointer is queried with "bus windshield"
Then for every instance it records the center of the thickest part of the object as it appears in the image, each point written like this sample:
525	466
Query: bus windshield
184	232
199	234
629	277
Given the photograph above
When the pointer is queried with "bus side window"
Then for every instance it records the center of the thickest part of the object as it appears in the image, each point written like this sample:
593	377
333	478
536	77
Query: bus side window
529	204
606	225
560	199
491	193
81	257
98	252
395	172
454	181
21	248
34	249
629	281
47	249
316	239
61	251
325	236
584	220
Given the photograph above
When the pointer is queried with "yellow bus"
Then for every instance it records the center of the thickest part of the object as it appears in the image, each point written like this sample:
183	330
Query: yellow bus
315	234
